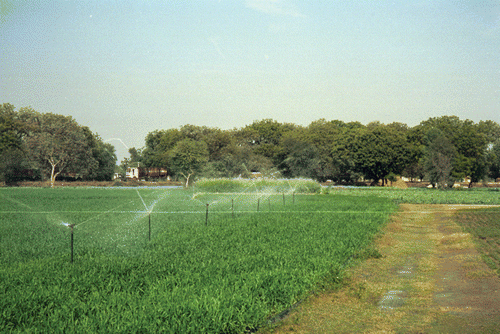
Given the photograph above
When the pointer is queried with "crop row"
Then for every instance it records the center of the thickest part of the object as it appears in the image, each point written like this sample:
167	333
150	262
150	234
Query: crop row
489	196
222	277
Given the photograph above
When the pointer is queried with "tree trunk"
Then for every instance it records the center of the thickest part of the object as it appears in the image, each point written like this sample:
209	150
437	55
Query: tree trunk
52	176
53	173
187	178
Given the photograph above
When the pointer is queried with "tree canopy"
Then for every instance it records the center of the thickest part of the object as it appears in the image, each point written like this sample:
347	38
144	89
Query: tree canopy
440	149
335	150
50	145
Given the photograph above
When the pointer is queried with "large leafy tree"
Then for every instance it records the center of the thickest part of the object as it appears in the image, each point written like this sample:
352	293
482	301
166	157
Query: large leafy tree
380	150
159	144
439	158
12	131
58	144
188	158
302	160
12	128
103	153
471	143
264	137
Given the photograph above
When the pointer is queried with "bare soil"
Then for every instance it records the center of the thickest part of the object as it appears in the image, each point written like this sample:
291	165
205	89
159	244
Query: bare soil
431	279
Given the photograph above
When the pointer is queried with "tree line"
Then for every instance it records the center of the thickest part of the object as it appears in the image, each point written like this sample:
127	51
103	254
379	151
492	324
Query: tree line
441	150
44	146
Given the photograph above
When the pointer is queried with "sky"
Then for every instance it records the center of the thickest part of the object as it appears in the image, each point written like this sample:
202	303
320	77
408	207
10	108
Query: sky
127	68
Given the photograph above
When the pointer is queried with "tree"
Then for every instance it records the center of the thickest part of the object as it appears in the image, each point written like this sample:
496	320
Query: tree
439	158
302	161
135	156
494	158
12	131
380	150
264	137
188	158
159	144
12	128
471	143
104	154
59	144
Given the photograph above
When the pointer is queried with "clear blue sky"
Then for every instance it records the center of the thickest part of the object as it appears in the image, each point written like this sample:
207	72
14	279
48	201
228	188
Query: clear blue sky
126	68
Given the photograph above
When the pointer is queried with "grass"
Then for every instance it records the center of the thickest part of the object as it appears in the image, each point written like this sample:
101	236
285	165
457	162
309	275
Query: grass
489	196
255	256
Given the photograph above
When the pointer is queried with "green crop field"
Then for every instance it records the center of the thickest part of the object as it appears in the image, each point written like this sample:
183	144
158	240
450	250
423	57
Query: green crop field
210	263
487	196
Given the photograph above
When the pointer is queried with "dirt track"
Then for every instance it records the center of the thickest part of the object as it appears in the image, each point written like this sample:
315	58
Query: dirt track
430	279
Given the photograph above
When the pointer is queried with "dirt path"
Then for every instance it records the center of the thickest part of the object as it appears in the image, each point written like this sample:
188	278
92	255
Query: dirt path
430	279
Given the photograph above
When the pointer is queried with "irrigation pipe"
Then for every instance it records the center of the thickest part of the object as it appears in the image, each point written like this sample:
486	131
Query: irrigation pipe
173	212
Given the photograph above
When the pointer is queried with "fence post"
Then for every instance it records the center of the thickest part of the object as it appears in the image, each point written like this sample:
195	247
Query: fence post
269	200
232	207
258	203
283	199
149	226
293	197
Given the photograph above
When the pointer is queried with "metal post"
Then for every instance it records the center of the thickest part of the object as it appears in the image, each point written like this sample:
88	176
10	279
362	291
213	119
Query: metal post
206	218
232	207
71	243
149	227
293	197
269	200
258	203
283	199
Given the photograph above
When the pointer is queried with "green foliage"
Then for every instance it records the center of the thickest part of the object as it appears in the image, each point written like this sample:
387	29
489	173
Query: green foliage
440	155
329	150
188	157
380	150
57	143
470	141
12	128
223	185
226	277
